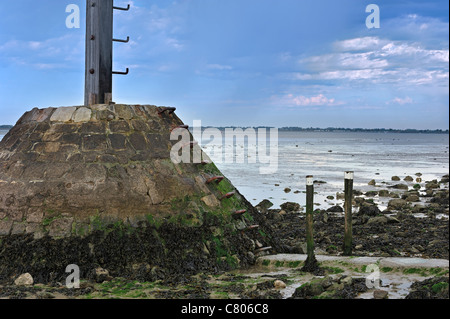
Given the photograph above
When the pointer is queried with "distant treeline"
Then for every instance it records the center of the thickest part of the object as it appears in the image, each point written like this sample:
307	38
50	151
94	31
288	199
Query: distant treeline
5	127
336	129
374	130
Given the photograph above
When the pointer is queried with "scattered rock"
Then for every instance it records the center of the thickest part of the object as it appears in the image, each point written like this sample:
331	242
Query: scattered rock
408	179
392	220
316	288
380	294
346	280
395	178
101	275
369	210
335	209
371	193
44	295
290	207
278	284
400	186
397	204
287	190
264	205
429	193
432	288
432	185
379	220
413	198
327	282
24	280
372	182
383	193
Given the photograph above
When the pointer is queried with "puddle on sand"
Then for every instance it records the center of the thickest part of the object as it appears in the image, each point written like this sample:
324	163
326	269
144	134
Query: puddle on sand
294	279
397	286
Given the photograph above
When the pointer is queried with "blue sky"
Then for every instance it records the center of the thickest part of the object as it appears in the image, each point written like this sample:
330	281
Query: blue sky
242	62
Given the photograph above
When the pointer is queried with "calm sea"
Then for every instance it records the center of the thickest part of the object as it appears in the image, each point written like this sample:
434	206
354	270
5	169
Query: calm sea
327	155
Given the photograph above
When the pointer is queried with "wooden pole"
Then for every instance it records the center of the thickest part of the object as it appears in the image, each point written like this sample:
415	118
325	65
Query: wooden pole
311	265
309	216
348	236
99	48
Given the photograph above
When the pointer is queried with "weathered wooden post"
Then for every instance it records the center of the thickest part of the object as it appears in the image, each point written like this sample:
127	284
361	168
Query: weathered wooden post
348	236
311	262
99	51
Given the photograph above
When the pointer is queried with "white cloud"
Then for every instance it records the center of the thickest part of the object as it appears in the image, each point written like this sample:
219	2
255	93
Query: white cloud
174	43
401	101
376	60
292	100
357	44
219	67
158	29
52	53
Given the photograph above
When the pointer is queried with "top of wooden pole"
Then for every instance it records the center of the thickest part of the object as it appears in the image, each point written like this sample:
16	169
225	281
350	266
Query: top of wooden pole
309	180
349	175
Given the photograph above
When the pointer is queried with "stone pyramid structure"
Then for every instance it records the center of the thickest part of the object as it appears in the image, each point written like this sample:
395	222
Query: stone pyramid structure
80	174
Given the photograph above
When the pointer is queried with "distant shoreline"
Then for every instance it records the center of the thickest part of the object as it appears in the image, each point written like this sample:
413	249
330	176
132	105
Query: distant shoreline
335	129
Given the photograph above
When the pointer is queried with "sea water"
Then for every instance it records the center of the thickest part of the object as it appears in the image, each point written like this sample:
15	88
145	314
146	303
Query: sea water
327	155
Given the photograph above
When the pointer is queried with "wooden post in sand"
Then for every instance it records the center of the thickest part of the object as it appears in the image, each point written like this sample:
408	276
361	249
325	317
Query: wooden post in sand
309	216
311	264
348	236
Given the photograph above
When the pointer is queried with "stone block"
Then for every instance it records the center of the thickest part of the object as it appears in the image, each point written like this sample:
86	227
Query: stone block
43	114
211	201
63	114
138	141
5	227
119	126
61	227
117	141
83	114
139	125
93	128
124	112
94	142
18	228
35	215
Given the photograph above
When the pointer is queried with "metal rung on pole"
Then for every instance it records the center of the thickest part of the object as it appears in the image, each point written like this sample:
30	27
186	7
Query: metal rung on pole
123	9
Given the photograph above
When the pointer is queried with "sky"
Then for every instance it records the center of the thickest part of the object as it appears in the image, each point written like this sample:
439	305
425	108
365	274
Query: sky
307	63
